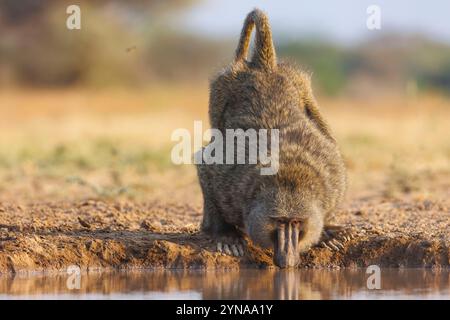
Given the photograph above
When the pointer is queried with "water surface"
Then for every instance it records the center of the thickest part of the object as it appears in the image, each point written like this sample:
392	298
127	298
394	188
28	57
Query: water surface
243	284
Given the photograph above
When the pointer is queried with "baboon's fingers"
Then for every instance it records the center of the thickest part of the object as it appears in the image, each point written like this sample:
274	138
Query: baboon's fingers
338	243
332	245
323	243
235	250
219	247
241	250
231	246
226	249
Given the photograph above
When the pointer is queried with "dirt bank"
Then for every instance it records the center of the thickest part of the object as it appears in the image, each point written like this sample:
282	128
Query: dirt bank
397	204
102	234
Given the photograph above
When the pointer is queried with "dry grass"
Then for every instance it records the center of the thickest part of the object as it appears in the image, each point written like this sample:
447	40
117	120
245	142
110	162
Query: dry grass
112	143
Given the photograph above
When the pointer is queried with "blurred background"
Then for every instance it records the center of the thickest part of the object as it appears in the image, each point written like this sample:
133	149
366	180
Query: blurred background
140	43
89	112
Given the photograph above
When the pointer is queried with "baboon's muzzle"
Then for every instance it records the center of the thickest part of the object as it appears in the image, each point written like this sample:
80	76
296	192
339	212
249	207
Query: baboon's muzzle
286	249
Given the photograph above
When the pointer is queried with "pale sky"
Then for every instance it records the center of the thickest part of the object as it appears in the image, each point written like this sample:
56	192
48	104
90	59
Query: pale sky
340	20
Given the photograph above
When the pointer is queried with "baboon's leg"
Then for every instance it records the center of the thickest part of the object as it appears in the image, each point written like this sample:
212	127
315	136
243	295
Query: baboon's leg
213	221
228	238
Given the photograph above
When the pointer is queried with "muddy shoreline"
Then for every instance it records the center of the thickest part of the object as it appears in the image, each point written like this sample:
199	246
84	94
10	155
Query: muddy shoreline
102	235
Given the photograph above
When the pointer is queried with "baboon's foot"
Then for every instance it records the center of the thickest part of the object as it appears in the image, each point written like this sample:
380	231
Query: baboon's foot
334	237
231	245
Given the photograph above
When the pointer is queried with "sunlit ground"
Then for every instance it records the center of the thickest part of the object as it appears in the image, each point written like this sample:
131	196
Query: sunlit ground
85	143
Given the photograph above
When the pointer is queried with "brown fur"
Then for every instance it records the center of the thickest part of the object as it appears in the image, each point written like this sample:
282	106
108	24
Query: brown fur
310	182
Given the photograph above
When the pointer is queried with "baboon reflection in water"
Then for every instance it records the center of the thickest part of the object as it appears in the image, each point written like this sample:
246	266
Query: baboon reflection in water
243	284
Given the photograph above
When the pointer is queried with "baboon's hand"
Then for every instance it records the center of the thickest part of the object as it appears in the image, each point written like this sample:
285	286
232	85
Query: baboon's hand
231	246
334	237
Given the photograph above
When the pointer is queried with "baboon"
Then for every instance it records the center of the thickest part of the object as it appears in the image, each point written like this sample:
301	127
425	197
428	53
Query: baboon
286	211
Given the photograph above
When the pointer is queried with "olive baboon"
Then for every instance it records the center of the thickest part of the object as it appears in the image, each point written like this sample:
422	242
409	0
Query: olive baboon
285	211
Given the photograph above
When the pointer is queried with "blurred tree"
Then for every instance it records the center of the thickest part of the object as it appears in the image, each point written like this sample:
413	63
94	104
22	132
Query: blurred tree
134	43
15	12
37	49
382	65
327	61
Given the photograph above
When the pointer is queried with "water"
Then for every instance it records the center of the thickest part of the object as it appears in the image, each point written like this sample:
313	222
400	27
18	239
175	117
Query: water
244	284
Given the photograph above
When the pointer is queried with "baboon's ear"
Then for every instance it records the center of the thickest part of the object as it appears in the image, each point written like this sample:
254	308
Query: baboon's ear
264	53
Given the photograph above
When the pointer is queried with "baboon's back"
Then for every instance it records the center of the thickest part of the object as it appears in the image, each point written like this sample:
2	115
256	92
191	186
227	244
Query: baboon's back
263	94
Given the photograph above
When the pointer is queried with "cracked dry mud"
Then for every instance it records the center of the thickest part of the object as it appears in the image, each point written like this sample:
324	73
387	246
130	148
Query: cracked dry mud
101	234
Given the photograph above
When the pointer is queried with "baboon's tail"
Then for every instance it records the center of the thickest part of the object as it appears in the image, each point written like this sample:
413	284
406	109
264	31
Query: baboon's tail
264	52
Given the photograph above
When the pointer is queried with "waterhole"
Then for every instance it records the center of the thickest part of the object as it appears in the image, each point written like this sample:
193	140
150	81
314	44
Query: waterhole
243	284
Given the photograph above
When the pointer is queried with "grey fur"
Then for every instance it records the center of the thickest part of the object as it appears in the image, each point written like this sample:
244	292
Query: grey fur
310	182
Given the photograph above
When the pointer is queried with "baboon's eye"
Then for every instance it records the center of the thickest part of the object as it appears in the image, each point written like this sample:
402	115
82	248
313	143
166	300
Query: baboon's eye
283	219
279	219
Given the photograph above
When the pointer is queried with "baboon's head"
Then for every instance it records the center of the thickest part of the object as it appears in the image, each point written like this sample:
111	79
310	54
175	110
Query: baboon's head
289	224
